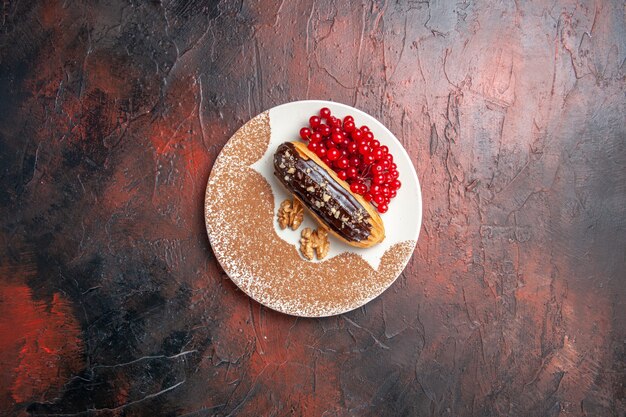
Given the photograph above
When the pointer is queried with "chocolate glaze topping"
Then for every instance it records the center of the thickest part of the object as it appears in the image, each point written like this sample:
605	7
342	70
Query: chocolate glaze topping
314	186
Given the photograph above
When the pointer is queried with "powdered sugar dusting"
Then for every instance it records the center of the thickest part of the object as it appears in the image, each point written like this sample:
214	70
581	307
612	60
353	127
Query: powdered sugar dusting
239	212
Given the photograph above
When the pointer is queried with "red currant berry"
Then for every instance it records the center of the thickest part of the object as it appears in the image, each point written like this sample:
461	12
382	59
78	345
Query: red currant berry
392	166
357	134
328	143
388	157
344	152
378	179
337	138
336	130
333	154
396	184
351	172
316	137
321	152
367	197
314	121
348	119
352	147
377	153
305	132
355	161
377	168
325	112
354	187
375	189
365	128
348	126
385	191
324	130
379	199
368	135
343	163
364	149
342	175
384	149
313	146
394	175
369	159
326	161
375	144
382	208
393	193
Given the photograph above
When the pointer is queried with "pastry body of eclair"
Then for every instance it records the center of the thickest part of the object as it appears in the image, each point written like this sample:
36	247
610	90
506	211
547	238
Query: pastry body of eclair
327	197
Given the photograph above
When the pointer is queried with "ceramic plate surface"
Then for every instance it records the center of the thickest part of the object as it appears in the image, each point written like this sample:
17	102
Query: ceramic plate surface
242	200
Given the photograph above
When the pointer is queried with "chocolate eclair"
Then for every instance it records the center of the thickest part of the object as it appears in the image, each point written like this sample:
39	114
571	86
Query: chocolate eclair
329	199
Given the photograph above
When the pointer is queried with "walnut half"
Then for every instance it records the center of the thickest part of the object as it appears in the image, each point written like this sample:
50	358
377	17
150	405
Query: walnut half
314	241
323	244
306	243
290	214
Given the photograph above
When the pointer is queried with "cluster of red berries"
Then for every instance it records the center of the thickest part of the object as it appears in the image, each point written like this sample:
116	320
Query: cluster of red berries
355	155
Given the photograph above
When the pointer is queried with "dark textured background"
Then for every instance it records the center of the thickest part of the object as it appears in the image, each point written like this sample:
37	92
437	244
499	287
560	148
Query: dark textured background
112	113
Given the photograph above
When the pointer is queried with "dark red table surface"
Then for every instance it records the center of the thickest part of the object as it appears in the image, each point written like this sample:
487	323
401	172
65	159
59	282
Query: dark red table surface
112	302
